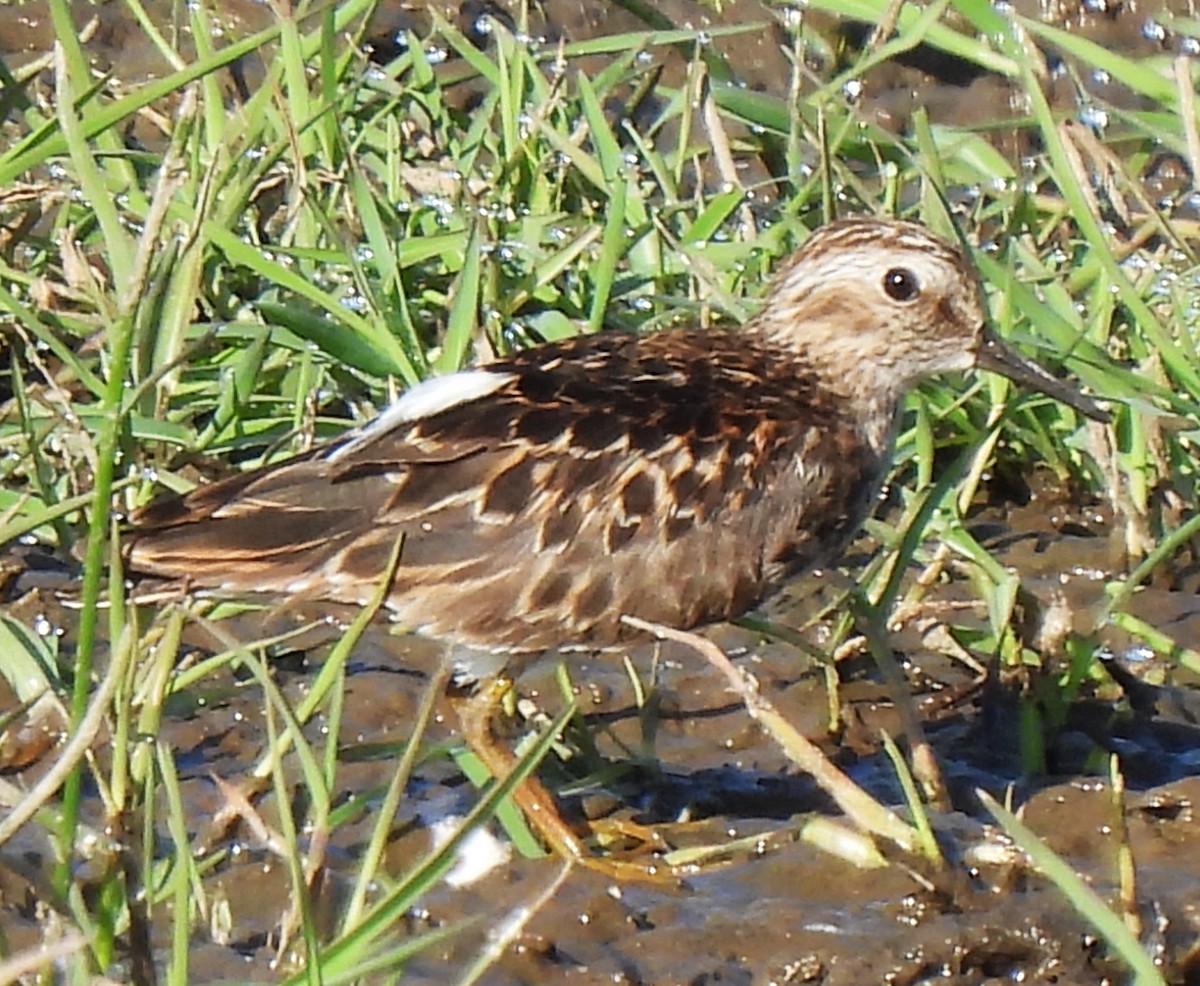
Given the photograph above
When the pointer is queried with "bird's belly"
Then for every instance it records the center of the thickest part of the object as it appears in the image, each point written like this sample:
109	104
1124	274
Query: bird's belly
529	600
581	608
577	598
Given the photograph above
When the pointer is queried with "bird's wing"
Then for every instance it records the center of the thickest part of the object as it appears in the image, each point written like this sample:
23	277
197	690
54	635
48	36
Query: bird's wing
555	482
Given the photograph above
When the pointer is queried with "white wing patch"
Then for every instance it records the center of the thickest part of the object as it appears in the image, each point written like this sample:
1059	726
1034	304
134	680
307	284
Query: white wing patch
426	399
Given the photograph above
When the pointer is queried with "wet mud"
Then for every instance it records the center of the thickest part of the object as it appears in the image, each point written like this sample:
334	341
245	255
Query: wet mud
776	909
947	89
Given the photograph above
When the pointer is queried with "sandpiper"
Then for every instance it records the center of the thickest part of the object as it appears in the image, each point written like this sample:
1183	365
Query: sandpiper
676	477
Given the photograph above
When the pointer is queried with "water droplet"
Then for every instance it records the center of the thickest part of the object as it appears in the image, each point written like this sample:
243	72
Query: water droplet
442	206
792	15
1094	117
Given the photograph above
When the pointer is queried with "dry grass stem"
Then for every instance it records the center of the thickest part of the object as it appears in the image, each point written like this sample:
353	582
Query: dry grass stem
860	807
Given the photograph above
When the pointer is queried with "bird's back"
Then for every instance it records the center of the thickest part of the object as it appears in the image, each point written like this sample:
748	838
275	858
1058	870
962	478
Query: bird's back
674	477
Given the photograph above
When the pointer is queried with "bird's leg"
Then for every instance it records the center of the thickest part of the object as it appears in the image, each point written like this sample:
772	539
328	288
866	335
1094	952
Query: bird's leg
476	711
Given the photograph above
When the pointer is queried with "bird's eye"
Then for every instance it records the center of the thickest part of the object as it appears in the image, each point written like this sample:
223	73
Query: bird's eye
901	284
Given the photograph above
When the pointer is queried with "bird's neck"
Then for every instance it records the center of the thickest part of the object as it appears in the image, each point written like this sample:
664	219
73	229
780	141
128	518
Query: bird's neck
862	389
847	363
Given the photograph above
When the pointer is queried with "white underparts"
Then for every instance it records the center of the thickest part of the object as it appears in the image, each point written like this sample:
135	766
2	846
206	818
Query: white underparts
426	399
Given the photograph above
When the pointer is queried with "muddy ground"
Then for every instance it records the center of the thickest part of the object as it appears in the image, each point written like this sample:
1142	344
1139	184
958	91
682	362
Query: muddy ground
779	912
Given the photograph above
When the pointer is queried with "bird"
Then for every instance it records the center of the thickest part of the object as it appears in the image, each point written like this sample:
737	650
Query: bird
679	477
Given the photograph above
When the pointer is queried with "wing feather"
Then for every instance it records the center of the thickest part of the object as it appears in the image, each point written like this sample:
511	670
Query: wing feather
665	477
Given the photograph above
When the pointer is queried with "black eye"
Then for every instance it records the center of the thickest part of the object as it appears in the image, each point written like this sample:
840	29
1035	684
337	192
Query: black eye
901	284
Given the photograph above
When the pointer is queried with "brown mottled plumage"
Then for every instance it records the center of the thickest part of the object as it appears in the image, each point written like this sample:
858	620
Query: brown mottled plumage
676	477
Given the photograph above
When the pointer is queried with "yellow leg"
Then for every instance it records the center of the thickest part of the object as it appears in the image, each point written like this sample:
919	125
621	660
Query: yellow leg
475	713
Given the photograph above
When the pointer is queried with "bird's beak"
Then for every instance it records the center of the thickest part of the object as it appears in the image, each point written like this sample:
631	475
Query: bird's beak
998	356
